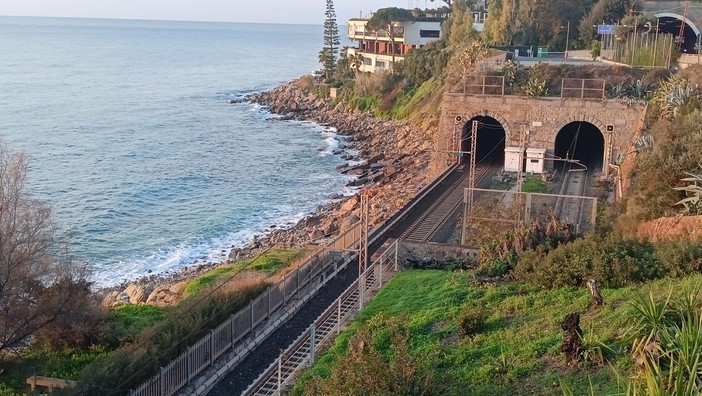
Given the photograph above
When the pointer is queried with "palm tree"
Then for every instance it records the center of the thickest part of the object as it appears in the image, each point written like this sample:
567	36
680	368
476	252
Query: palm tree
355	61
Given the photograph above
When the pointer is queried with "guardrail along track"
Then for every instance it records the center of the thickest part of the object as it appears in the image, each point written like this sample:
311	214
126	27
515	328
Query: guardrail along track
250	368
301	353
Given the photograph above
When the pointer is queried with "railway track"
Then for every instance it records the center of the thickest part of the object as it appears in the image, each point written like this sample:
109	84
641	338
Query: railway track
256	362
423	216
574	183
428	224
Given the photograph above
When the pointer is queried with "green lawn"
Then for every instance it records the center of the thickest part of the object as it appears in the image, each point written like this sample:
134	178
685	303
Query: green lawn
518	350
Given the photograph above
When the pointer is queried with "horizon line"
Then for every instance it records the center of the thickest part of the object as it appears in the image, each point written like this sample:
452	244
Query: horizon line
154	20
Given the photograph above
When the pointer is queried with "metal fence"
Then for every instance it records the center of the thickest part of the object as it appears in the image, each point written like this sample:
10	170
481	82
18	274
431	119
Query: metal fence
484	85
494	211
223	338
301	353
583	88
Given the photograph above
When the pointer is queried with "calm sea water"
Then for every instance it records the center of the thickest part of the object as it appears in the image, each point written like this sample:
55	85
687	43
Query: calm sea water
134	144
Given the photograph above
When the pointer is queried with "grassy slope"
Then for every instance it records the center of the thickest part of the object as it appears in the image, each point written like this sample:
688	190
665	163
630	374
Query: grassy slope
519	350
124	323
270	263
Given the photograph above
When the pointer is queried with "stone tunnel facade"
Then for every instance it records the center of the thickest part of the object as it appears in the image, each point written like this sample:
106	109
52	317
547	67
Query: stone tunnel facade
540	120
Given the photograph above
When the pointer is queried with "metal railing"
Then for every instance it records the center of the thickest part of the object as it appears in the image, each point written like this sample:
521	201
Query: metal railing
484	85
301	353
223	338
583	88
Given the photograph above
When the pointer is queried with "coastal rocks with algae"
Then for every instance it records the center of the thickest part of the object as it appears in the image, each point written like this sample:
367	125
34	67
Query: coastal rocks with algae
391	162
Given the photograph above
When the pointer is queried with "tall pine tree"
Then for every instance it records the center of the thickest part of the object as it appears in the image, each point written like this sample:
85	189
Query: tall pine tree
329	54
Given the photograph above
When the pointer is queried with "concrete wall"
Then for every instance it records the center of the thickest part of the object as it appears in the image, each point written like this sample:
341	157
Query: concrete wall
543	118
433	252
412	29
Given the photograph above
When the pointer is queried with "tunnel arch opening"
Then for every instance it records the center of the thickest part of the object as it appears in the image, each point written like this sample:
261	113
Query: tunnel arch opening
669	23
580	142
490	145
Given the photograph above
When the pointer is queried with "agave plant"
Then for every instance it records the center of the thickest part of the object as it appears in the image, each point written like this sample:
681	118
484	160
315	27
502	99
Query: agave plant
693	201
619	90
640	90
509	71
672	94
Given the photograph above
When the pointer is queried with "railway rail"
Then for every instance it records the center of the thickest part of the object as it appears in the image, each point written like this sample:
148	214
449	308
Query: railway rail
425	227
574	182
252	367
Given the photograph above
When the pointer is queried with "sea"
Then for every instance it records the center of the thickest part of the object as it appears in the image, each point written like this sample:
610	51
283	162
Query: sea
133	142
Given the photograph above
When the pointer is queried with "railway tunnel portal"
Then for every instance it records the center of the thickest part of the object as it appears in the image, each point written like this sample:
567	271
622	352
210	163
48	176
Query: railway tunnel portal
597	131
491	138
582	144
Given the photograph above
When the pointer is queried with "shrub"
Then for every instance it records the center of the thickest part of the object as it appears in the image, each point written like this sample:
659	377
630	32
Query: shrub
305	83
534	184
535	88
380	346
471	320
611	260
373	83
159	344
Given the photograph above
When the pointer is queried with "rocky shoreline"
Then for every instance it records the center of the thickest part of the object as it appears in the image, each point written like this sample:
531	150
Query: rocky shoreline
391	165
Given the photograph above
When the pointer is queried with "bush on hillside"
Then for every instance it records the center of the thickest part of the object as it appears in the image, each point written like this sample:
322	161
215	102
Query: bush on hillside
611	260
471	320
132	364
421	64
373	83
677	149
380	346
500	252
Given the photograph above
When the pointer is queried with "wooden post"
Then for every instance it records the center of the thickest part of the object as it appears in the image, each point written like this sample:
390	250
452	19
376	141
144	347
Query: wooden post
595	293
572	343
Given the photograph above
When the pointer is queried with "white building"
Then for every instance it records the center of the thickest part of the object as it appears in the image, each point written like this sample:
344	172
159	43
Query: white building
377	49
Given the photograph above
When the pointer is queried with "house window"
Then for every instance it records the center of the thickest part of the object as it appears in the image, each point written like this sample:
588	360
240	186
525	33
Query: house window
430	33
368	61
380	64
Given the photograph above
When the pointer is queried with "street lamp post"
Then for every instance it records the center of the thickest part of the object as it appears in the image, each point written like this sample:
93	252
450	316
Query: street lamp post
567	38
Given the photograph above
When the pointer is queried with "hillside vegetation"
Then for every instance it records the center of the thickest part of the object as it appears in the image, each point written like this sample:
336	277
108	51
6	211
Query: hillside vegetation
433	332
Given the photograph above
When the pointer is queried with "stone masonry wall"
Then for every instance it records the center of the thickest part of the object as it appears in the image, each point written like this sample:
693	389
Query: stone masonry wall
543	118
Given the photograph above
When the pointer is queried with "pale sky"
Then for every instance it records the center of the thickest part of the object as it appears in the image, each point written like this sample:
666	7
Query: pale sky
271	11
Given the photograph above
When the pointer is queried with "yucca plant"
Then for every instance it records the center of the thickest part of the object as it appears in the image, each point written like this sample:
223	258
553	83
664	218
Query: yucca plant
594	349
693	201
674	365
